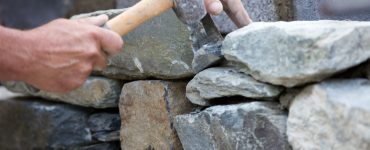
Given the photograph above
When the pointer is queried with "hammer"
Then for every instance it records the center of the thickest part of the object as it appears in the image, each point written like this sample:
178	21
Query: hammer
204	34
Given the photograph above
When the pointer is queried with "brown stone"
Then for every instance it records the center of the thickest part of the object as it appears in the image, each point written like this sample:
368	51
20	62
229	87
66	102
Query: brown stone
147	110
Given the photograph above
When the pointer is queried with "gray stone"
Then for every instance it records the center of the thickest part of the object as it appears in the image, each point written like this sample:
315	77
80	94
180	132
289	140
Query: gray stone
226	82
104	122
310	10
360	71
126	3
249	126
85	6
106	136
148	109
97	92
110	13
160	48
101	146
106	126
296	53
6	94
208	55
331	115
288	96
27	123
31	123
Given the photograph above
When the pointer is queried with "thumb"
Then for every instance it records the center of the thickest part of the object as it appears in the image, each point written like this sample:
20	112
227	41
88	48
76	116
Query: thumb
98	20
213	7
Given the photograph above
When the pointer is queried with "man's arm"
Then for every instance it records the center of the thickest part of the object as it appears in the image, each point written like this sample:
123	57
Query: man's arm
13	57
58	56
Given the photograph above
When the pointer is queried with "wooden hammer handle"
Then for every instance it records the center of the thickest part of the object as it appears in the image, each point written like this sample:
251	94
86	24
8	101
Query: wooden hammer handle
138	14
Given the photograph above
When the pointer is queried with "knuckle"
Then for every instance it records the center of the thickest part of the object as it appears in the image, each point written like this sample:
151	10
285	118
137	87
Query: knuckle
66	86
119	42
85	71
116	43
76	83
93	33
93	52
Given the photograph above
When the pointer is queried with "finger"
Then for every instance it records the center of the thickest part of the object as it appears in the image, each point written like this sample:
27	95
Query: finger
97	21
236	11
213	7
100	61
110	41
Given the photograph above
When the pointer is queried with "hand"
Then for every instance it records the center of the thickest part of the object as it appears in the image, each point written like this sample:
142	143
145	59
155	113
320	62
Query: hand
64	52
234	9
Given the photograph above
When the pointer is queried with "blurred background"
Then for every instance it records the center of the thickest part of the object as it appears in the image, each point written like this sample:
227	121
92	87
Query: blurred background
25	14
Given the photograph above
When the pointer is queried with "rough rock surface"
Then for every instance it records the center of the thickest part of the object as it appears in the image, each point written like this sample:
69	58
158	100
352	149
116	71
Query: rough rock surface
97	92
287	97
160	48
30	124
147	110
295	53
360	71
101	146
126	3
226	82
310	10
105	126
5	93
84	6
110	13
331	115
256	125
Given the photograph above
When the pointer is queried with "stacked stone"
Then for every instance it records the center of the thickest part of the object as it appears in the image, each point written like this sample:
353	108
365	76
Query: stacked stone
296	85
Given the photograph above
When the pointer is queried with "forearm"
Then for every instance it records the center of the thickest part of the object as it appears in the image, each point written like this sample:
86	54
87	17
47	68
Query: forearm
13	54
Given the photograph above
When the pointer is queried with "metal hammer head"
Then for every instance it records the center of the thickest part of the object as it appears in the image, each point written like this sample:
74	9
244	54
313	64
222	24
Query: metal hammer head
206	38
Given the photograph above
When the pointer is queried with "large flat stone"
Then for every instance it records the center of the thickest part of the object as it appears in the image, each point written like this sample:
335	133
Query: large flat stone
32	123
97	92
310	10
295	53
331	115
160	48
147	110
249	126
227	82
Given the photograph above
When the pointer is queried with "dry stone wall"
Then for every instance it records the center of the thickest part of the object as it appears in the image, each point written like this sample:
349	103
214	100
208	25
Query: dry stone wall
298	85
